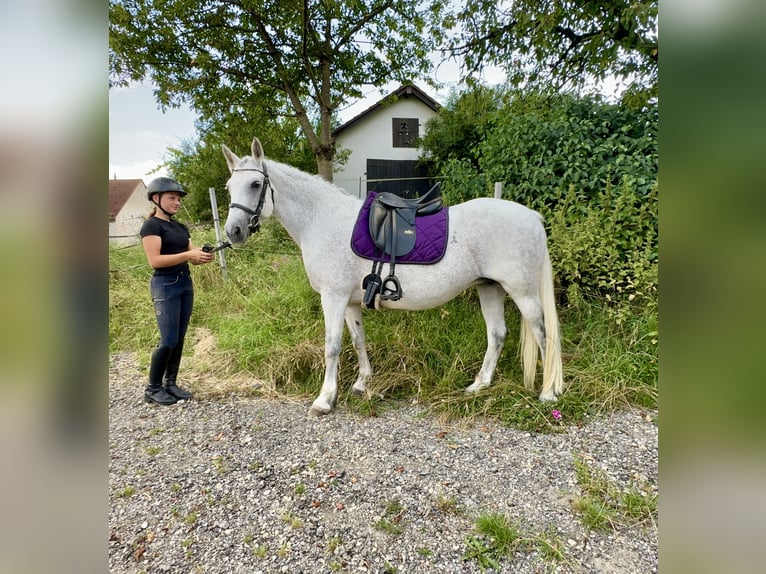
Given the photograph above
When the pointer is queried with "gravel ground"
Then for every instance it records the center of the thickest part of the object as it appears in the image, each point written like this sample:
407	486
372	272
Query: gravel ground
253	485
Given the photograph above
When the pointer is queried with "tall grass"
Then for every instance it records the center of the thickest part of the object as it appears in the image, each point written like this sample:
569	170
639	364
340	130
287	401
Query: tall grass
267	321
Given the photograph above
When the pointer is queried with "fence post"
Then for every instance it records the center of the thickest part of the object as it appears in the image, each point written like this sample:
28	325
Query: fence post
498	189
217	224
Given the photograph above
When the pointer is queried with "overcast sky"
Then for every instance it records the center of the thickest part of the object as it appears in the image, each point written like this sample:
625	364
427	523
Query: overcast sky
139	133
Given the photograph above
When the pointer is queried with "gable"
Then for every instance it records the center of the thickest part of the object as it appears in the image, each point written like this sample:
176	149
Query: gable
120	191
408	94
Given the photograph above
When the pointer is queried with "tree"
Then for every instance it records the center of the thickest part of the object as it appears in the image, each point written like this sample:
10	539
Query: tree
458	128
565	42
303	59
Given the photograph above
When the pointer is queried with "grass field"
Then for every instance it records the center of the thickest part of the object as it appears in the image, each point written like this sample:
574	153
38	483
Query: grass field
264	322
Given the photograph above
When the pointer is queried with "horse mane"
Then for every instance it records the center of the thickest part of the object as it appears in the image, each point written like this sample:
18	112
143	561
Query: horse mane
297	177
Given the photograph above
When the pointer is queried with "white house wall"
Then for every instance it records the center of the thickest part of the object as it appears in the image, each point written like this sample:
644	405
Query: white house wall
126	225
372	138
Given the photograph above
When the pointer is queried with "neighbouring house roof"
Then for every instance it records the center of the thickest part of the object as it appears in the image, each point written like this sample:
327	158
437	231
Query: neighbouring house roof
404	91
120	191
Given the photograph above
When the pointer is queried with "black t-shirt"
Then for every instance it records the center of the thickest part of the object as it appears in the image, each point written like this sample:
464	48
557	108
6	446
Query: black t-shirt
175	239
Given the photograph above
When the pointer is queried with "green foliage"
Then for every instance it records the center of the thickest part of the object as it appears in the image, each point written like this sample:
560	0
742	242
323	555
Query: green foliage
608	246
503	535
544	144
497	538
132	324
391	522
456	131
563	43
461	182
539	144
590	168
452	141
604	505
484	554
200	165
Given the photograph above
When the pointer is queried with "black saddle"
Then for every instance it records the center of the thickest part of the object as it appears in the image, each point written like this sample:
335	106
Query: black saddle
392	219
392	229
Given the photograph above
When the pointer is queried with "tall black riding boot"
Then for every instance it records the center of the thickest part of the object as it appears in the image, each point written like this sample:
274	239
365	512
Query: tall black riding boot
154	392
171	373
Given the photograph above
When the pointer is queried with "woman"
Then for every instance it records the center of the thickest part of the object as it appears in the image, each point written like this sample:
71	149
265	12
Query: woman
169	250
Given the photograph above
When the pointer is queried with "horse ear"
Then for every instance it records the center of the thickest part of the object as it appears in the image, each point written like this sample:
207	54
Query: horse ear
257	149
231	159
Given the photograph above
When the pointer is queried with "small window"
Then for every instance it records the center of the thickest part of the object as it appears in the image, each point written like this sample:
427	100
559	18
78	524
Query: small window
405	132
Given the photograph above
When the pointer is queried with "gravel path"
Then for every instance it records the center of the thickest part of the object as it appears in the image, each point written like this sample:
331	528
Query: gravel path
250	485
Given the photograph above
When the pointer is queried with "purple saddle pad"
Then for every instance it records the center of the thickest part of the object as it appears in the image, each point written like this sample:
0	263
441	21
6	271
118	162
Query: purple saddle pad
430	237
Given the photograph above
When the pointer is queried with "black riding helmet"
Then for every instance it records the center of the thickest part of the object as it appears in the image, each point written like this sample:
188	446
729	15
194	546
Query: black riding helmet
161	185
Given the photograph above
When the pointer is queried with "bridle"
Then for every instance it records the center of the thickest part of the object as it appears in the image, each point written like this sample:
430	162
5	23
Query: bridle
254	224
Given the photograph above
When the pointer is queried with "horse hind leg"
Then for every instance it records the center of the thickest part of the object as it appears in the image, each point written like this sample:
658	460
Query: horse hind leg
356	330
534	335
492	298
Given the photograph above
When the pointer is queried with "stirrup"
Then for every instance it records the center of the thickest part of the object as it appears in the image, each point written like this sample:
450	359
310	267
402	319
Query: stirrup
389	293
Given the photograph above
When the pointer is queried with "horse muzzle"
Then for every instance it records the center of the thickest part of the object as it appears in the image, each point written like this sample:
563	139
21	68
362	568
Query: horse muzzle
239	232
236	233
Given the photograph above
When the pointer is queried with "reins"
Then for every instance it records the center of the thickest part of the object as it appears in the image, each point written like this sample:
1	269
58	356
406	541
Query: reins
254	224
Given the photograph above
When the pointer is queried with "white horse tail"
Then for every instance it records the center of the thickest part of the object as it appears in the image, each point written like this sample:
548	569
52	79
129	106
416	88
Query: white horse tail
553	379
553	383
528	351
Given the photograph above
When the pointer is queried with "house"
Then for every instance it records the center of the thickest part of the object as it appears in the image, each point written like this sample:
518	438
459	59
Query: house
128	208
383	145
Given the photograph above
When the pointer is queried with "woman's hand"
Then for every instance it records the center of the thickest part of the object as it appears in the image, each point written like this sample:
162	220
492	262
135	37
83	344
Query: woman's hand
199	257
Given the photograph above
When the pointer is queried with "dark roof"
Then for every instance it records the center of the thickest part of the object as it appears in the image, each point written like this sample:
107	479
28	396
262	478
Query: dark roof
404	91
120	191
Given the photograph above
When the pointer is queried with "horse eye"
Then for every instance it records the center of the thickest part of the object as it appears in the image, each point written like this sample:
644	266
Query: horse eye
255	185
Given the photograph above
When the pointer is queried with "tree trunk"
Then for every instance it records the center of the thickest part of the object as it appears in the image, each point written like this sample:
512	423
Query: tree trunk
325	162
326	152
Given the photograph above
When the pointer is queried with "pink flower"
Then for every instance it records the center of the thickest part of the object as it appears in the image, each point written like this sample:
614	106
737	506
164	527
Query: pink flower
556	414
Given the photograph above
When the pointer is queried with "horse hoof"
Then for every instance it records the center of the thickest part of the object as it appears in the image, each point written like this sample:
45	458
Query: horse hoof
320	408
475	388
548	397
316	412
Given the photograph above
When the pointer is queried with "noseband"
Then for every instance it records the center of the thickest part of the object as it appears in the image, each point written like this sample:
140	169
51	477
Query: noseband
254	224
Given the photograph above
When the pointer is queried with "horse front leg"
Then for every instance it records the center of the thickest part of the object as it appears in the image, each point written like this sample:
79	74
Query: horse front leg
356	330
333	307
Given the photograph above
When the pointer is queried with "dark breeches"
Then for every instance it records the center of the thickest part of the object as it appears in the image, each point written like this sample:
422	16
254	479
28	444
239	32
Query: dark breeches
173	298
